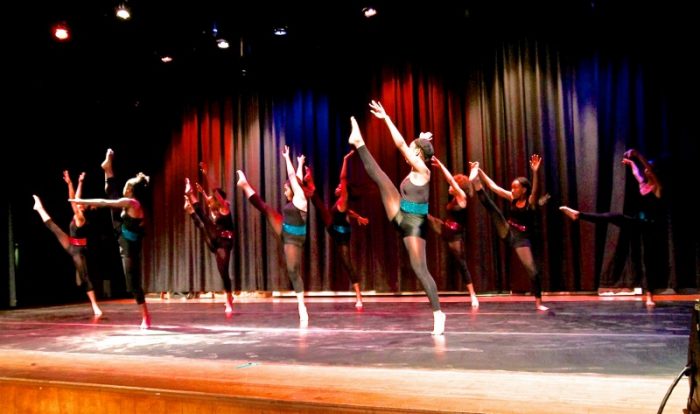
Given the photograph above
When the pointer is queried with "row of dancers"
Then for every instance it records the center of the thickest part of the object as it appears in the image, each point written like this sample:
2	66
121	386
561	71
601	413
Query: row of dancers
406	207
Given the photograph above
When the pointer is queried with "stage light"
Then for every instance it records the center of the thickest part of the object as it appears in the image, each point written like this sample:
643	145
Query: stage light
166	59
280	31
222	43
369	12
61	31
123	12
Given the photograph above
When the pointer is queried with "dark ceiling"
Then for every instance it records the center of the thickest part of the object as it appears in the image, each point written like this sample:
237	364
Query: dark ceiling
318	31
108	58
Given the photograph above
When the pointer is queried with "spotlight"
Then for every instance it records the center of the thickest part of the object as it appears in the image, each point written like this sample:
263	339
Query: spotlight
280	31
369	12
61	31
123	12
222	43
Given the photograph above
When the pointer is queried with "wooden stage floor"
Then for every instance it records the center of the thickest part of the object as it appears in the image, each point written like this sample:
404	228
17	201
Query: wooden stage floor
588	354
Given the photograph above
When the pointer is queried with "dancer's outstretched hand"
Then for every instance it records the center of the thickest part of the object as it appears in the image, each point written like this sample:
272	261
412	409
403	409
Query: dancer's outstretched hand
378	110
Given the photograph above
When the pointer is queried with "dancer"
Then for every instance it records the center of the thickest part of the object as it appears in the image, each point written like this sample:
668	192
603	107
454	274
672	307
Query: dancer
290	225
76	243
217	227
128	227
452	228
408	209
516	230
647	222
337	222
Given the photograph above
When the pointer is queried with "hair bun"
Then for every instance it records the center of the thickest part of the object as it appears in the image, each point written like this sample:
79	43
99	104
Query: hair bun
426	135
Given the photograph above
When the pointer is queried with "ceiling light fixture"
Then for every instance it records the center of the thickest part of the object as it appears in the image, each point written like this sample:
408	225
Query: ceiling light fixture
123	12
369	12
61	31
222	43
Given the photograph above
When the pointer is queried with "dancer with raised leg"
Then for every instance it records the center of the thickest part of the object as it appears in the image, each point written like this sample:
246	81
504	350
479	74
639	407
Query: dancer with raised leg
647	223
407	209
128	227
517	229
453	227
289	226
216	224
337	220
74	244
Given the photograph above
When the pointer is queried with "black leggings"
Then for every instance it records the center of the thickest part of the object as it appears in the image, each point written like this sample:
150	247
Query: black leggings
458	252
455	245
653	243
219	246
292	252
130	251
524	252
77	253
343	250
414	245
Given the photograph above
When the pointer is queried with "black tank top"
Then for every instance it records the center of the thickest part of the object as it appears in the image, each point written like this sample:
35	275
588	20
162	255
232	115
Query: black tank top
339	218
77	232
650	208
224	222
455	213
523	217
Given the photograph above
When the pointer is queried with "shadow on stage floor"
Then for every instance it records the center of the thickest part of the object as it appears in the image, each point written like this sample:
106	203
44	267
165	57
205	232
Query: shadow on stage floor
587	354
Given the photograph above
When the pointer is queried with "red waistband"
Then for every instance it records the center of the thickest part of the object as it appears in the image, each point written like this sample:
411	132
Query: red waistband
517	226
453	225
78	242
226	234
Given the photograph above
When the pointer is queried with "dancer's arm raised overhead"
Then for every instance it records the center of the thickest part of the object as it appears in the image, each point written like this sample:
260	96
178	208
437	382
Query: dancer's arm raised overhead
410	154
72	193
647	179
206	180
457	191
342	190
299	199
300	166
535	161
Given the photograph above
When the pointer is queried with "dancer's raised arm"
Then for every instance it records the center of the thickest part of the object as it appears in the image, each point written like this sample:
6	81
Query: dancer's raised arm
409	154
342	202
647	179
72	193
300	166
458	193
299	198
535	161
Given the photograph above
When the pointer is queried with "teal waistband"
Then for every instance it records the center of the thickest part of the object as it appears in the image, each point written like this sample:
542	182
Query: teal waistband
414	208
294	230
341	229
129	235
